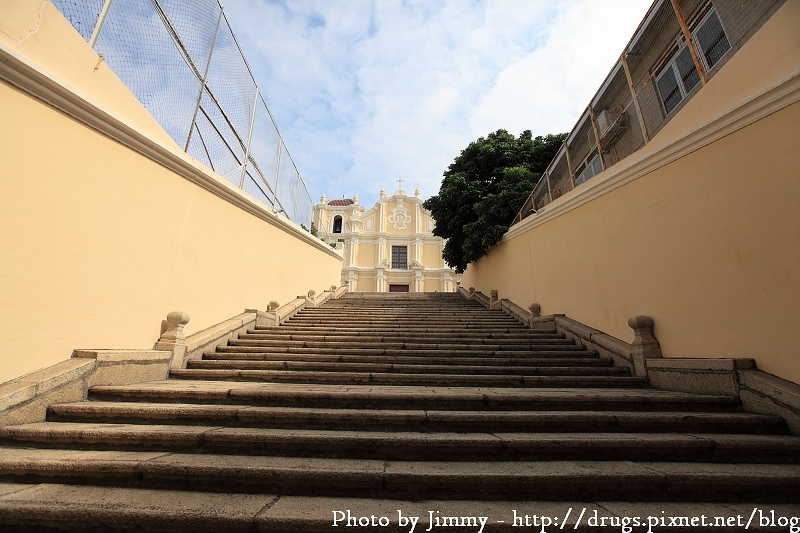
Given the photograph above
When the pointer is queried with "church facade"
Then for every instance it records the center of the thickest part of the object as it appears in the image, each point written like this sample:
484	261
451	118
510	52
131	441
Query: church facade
389	247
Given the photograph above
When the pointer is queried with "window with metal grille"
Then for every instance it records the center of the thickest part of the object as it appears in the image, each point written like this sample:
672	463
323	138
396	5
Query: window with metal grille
400	257
710	38
677	78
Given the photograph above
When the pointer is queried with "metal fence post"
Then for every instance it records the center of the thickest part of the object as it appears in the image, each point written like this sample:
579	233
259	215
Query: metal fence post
687	35
596	137
275	200
635	97
101	20
569	163
249	139
203	82
297	194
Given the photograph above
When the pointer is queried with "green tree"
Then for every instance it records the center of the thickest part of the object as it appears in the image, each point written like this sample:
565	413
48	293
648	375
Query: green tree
484	188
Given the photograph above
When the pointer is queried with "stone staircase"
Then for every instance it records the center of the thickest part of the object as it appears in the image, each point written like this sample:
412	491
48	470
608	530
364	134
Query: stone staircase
389	405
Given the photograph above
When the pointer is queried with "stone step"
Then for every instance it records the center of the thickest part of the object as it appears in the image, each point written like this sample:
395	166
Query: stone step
411	446
564	358
376	319
546	344
484	351
286	330
413	397
356	317
376	478
416	420
395	329
519	357
429	338
36	508
375	367
381	378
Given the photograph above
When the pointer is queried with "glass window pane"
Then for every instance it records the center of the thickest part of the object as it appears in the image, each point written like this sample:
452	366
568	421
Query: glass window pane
687	69
668	89
711	38
400	257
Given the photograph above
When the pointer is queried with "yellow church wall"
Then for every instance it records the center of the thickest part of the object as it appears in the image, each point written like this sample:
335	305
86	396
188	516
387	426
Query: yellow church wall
108	228
702	231
365	255
432	255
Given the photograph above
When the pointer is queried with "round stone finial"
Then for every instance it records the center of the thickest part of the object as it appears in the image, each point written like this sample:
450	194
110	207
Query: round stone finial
355	199
417	192
535	309
273	305
312	293
641	322
383	193
323	200
177	318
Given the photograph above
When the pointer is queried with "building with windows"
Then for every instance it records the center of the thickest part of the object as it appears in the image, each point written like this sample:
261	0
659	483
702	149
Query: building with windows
677	49
389	247
676	194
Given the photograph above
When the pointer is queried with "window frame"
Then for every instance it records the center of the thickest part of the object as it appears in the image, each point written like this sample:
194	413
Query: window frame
399	258
671	67
697	26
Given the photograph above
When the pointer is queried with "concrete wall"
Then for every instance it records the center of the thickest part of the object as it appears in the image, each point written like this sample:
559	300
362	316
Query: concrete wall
107	224
700	229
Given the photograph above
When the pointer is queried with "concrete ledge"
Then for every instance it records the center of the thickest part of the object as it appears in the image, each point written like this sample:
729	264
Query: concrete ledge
125	367
208	339
287	311
483	299
25	399
544	323
767	394
618	350
703	376
515	311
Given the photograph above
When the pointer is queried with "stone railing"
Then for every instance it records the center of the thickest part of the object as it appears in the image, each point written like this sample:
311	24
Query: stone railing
26	399
758	391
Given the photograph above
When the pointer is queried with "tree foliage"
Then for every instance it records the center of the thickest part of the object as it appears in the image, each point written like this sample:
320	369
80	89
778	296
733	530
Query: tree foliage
484	188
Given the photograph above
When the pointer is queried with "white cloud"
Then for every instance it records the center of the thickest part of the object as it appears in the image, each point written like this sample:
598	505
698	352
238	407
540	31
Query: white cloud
368	91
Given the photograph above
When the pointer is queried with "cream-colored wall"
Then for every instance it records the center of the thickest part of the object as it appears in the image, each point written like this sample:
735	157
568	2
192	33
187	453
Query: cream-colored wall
432	256
365	254
99	242
433	285
707	244
365	285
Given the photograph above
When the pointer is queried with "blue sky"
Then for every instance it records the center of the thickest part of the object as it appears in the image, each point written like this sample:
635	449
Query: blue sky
368	91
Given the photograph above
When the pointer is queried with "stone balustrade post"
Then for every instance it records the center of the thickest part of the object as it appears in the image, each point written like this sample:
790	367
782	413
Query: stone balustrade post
271	317
645	345
311	298
494	300
173	339
536	311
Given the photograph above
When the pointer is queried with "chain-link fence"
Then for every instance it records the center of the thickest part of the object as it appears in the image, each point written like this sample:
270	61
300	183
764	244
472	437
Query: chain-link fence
182	61
677	48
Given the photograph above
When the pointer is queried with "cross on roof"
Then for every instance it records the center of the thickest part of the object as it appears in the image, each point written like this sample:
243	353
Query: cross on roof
399	183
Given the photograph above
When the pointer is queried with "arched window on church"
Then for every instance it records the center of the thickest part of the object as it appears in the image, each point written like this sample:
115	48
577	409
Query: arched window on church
337	224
